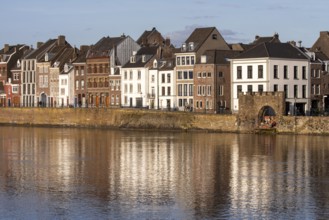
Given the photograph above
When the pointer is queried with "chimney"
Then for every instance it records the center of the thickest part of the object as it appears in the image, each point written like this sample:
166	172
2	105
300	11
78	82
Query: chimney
39	44
300	43
276	36
324	33
6	48
256	37
167	42
84	48
61	40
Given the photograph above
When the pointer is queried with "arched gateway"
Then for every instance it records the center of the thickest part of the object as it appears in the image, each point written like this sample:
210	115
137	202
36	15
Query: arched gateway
263	109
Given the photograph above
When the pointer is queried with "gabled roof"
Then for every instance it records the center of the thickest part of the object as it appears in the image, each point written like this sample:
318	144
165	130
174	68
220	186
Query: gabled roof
8	50
39	52
142	57
199	36
273	50
145	37
322	43
104	46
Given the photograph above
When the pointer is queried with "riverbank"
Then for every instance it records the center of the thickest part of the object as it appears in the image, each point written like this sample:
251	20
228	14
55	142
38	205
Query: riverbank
161	120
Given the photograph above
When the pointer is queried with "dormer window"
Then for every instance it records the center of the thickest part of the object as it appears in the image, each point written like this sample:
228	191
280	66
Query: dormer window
133	59
191	46
155	64
214	36
143	58
184	47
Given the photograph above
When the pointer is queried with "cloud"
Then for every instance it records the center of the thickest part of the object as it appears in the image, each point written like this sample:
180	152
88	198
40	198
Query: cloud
179	36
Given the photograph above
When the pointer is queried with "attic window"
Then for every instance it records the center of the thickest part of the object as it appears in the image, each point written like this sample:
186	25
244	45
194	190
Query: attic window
143	58
191	46
214	36
133	59
155	64
184	47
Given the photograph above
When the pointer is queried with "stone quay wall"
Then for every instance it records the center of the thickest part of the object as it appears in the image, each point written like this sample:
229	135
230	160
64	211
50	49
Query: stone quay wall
160	120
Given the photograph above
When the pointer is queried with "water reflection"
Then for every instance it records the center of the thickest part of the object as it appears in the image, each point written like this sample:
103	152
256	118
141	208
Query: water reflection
82	173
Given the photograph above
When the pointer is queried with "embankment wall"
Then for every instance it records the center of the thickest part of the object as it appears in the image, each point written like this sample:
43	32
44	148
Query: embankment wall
146	119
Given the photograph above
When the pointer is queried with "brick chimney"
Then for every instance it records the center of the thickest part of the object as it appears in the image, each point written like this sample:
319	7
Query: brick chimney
324	33
6	48
61	40
39	44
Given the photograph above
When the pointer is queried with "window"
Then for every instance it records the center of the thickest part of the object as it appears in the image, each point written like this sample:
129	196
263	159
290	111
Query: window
239	90
220	74
168	91
295	91
125	75
304	72
275	72
191	89
187	60
82	84
317	92
275	87
82	71
260	88
76	84
183	60
15	89
185	90
185	74
131	88
163	78
199	75
249	72
180	75
221	90
239	72
304	91
208	90
131	74
192	60
209	74
295	72
260	71
249	88
180	90
178	61
62	91
152	78
168	78
285	72
139	74
285	89
204	74
163	91
190	73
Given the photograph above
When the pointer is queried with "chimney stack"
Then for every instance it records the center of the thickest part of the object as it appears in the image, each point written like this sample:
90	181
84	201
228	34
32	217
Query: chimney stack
6	48
61	40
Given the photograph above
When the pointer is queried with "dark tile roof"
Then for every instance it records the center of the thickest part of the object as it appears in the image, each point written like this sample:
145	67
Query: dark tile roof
147	34
273	50
321	56
65	56
152	50
199	36
9	50
219	56
82	57
39	52
271	39
104	46
147	52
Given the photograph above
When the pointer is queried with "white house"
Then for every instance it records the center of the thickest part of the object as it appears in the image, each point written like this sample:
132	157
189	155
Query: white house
162	85
66	87
135	78
273	67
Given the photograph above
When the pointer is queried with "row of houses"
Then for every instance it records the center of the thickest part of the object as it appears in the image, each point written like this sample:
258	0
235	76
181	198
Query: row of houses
206	74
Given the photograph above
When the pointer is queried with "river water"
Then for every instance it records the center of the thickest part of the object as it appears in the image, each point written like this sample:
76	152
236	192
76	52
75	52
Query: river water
63	173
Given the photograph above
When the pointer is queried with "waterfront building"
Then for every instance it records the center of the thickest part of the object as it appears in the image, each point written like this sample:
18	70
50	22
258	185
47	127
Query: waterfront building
80	77
135	77
66	97
48	68
273	67
162	85
104	60
212	82
10	57
200	40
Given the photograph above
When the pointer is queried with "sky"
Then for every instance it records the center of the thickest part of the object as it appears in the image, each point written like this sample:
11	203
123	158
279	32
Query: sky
86	22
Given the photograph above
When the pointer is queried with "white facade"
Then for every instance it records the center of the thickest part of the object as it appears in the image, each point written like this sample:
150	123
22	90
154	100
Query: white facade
135	86
162	87
66	87
289	75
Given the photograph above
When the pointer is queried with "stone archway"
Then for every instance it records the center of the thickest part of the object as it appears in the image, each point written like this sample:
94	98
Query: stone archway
266	117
